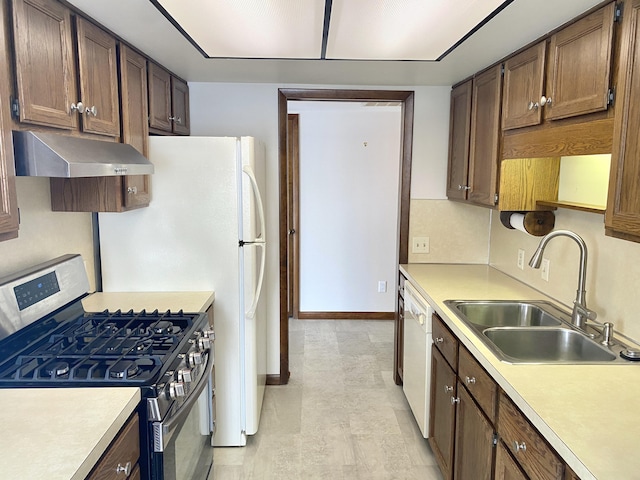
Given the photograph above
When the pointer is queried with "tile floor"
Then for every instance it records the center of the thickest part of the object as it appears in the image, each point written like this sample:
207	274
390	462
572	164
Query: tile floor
340	417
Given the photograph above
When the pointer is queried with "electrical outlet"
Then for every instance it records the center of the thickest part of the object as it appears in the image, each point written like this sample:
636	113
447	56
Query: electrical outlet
521	259
544	271
382	286
420	245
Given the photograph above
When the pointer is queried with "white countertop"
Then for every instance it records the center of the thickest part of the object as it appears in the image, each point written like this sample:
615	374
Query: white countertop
60	433
589	413
137	301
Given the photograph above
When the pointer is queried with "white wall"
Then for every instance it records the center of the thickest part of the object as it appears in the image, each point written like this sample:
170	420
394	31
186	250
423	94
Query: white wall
349	184
44	234
252	109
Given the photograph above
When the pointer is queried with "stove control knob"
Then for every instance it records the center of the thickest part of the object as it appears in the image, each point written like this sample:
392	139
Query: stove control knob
204	343
184	375
209	334
195	358
176	390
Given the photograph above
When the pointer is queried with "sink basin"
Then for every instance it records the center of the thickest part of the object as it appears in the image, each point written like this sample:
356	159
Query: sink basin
547	345
507	313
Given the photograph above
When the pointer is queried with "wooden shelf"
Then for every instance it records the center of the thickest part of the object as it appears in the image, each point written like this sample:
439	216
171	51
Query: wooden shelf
583	207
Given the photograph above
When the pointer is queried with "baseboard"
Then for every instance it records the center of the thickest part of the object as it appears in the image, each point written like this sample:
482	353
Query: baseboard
346	315
273	379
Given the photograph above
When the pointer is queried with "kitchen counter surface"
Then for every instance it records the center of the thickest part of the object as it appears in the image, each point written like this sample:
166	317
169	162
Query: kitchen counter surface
588	413
137	301
60	433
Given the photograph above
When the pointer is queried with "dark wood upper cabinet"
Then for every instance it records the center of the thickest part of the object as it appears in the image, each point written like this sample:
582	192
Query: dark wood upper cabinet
168	102
459	133
484	152
45	64
523	87
622	218
135	125
579	66
180	106
98	79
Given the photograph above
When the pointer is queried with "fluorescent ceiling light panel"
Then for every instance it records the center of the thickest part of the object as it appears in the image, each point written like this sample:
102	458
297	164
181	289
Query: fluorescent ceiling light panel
402	29
251	28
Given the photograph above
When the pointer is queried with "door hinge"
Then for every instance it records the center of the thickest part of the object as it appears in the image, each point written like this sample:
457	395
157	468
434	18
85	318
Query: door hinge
15	107
611	96
617	14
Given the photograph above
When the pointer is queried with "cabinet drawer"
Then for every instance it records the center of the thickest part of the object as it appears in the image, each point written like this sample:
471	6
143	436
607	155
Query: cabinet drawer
524	442
122	453
445	341
481	386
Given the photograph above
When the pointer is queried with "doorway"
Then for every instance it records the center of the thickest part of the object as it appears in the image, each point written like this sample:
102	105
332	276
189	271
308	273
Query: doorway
406	99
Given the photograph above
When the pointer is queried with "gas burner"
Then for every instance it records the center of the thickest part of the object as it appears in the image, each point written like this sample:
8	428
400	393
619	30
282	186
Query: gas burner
124	369
56	369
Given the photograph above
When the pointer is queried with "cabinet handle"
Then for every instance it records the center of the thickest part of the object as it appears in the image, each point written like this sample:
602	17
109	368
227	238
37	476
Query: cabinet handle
533	106
126	469
448	389
470	380
91	111
438	340
77	107
519	446
455	400
545	101
132	190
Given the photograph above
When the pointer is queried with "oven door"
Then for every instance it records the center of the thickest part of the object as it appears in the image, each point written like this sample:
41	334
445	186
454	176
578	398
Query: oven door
182	444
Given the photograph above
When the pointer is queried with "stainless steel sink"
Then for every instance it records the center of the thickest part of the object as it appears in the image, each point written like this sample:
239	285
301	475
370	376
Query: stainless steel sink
523	331
547	345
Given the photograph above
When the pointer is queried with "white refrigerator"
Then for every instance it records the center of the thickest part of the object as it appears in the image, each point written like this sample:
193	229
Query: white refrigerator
204	230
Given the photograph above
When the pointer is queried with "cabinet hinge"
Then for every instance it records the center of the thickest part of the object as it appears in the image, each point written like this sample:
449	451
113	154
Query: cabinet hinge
495	439
15	107
611	95
617	15
502	70
495	199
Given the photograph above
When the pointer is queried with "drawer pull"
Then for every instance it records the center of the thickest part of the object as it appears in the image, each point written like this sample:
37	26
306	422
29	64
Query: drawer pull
470	380
448	389
438	340
519	446
126	469
455	400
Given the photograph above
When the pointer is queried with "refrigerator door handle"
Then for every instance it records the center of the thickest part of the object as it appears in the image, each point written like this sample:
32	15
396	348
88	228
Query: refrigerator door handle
256	191
256	296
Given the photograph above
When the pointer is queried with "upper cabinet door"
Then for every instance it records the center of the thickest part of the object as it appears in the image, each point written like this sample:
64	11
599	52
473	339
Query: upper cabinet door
97	60
45	71
159	98
523	87
580	65
622	217
459	132
180	106
484	156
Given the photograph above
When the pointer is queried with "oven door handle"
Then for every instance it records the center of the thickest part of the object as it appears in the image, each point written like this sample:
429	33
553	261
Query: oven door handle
162	431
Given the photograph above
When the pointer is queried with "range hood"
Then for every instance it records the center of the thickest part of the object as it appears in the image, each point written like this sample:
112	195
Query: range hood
39	154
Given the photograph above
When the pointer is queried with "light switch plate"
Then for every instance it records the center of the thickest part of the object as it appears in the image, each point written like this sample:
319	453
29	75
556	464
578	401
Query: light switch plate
420	245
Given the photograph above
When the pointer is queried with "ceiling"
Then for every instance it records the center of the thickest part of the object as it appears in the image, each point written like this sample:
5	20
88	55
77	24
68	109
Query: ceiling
141	24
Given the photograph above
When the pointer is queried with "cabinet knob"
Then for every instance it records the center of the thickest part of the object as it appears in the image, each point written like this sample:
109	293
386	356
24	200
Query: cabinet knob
519	447
172	119
448	389
91	111
77	107
438	340
470	380
533	105
179	120
545	101
464	187
455	400
126	469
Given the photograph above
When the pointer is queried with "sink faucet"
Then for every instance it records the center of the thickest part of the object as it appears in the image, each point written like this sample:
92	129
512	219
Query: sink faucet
580	313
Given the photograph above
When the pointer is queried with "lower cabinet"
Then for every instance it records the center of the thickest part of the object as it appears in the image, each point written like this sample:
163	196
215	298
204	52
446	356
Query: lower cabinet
120	461
506	467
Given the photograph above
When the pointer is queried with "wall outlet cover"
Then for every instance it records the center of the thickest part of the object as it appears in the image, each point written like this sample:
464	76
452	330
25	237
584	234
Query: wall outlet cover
544	271
521	259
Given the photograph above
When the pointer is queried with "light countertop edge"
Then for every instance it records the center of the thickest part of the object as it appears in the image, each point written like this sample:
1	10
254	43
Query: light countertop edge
591	432
138	301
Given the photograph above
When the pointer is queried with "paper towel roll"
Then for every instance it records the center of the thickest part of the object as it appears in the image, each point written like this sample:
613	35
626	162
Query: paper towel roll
536	223
517	221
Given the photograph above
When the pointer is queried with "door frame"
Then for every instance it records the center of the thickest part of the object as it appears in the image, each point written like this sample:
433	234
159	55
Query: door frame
406	98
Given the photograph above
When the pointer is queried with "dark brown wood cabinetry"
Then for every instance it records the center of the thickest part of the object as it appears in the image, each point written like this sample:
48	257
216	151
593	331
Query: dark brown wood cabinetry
622	218
459	134
442	415
46	75
120	461
168	102
506	467
398	334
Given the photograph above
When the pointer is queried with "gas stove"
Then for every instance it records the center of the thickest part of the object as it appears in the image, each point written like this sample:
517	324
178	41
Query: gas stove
48	340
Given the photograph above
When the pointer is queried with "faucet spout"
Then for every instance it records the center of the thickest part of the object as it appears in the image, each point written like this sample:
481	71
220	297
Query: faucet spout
580	311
